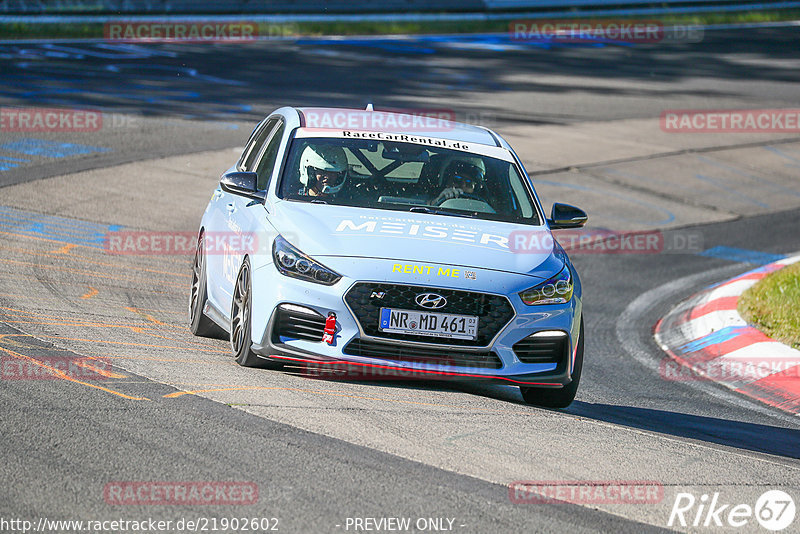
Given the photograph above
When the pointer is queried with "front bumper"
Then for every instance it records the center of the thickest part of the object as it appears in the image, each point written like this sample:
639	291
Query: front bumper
500	358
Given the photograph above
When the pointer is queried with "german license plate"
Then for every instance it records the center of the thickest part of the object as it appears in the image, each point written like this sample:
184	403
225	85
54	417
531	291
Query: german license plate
431	324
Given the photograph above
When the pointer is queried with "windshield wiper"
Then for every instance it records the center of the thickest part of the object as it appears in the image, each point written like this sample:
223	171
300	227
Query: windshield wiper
318	201
421	209
438	211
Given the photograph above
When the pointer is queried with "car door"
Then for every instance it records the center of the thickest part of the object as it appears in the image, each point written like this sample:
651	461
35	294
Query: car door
249	216
228	221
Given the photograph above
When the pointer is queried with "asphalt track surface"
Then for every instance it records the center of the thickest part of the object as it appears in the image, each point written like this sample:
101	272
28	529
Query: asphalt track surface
322	451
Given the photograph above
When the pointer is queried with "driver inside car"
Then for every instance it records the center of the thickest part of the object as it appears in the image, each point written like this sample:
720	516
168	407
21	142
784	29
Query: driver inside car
463	177
323	170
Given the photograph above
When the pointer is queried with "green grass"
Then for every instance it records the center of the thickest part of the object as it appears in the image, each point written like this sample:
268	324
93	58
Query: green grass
773	305
83	30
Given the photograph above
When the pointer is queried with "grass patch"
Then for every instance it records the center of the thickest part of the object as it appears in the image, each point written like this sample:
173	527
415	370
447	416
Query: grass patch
740	17
50	31
298	29
773	305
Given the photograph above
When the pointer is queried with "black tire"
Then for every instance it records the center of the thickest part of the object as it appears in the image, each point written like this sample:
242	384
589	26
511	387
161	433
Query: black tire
241	313
560	397
199	324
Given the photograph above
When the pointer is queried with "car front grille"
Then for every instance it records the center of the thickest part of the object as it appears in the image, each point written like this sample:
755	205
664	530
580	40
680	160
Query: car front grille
424	355
543	349
295	324
366	299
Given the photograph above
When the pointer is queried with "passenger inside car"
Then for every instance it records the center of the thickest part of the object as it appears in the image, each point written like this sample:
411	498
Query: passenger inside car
462	177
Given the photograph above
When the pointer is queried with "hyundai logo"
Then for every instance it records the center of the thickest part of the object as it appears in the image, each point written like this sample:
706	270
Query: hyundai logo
432	301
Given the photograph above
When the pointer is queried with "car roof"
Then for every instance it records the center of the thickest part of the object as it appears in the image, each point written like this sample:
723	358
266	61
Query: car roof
428	123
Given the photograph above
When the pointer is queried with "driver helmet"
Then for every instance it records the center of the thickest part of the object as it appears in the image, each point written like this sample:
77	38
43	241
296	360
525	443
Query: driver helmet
465	170
329	160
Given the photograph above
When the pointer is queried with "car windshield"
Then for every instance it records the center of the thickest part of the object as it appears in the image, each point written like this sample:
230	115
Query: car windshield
406	177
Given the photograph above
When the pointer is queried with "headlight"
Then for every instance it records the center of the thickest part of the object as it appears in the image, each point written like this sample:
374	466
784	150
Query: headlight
556	290
291	262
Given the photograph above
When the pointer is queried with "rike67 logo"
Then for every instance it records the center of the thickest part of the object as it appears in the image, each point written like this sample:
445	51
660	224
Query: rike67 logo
774	510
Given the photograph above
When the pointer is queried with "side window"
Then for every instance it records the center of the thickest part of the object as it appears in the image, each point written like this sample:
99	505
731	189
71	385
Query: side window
254	146
267	163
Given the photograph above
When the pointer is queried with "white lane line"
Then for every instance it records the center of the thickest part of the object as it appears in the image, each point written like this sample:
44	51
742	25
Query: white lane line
712	322
733	289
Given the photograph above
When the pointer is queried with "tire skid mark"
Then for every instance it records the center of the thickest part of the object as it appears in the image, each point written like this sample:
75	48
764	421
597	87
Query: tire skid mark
28	297
136	329
68	319
91	261
146	316
151	332
83	284
228	362
132	344
64	376
169	338
156	311
93	274
37	238
36	318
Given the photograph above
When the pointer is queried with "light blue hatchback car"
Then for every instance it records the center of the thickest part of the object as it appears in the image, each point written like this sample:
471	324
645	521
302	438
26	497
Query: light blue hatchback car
389	241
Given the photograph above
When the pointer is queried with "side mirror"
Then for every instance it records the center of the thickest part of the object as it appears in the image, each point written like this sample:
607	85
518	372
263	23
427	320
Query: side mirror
566	216
242	183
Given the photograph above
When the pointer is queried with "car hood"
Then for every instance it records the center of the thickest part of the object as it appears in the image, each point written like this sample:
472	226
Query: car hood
321	230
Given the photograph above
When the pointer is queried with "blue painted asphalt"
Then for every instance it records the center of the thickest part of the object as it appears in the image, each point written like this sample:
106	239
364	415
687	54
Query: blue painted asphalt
49	149
7	163
714	338
742	255
55	228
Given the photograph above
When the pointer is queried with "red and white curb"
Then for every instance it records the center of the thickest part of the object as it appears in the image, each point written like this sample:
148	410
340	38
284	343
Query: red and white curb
707	339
